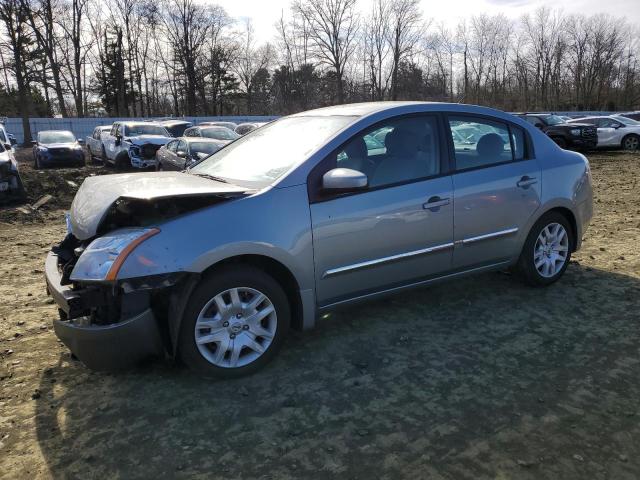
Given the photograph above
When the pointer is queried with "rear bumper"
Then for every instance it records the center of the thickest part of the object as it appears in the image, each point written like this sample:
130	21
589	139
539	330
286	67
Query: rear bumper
100	347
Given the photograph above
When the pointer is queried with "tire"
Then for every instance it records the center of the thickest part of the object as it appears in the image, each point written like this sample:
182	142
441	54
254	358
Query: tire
122	162
561	142
234	324
535	250
631	142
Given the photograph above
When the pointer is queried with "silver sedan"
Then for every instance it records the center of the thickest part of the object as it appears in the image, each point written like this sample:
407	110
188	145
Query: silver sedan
310	213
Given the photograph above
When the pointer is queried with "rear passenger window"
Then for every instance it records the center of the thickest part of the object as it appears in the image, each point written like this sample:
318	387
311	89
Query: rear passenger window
480	143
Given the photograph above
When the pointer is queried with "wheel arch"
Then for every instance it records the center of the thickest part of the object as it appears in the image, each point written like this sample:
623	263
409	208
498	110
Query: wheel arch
567	213
280	273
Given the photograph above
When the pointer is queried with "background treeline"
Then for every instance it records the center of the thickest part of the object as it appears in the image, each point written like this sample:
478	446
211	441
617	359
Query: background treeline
184	57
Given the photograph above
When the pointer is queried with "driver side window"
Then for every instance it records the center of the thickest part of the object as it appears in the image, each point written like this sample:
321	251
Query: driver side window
399	150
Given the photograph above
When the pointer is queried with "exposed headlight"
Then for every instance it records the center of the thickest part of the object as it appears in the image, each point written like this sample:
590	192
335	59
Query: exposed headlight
102	259
575	132
134	150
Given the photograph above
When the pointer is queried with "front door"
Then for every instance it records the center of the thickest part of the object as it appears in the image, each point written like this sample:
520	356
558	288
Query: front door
496	191
397	231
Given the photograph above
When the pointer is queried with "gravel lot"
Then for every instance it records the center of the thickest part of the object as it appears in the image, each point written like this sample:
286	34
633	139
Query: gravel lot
480	378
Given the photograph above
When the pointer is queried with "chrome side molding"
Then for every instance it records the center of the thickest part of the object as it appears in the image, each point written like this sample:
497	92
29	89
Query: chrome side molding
392	258
487	236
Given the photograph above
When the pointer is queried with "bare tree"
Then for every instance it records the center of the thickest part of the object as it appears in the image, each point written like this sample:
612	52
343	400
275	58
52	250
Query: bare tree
332	25
405	31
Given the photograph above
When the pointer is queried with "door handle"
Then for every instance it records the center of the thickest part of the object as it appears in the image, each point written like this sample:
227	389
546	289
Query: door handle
434	203
526	182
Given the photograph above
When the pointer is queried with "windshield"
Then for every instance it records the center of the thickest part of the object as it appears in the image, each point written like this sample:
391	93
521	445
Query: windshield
628	121
56	137
267	153
204	147
219	133
554	120
144	129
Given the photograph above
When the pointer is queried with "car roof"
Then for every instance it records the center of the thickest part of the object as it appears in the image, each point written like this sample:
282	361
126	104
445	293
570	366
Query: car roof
55	131
173	122
199	140
139	122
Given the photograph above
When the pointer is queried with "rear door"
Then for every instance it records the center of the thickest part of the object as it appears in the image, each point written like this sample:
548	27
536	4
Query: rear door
496	191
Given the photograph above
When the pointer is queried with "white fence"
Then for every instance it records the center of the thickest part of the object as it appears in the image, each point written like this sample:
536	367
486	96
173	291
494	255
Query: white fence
82	127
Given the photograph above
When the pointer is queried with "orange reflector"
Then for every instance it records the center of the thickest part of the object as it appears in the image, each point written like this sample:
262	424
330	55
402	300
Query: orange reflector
115	267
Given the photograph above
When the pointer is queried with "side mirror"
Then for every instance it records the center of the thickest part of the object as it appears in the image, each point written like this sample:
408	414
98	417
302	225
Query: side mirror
181	153
7	146
344	180
617	125
80	141
34	142
13	140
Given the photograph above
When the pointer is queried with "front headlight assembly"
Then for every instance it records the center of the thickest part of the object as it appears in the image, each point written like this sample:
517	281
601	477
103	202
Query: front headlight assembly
102	259
575	132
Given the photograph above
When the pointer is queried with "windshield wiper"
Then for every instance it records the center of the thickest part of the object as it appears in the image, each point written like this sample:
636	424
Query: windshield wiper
211	177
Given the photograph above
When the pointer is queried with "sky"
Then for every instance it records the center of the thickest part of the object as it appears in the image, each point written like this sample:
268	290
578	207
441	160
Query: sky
265	13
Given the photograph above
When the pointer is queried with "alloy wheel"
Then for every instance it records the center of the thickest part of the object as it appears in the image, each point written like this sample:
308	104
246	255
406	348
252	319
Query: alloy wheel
235	327
551	250
631	143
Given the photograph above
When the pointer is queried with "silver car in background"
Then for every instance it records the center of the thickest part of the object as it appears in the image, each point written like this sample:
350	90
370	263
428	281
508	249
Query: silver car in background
307	214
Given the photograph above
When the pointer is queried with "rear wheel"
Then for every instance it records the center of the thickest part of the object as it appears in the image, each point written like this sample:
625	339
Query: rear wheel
631	142
235	322
547	250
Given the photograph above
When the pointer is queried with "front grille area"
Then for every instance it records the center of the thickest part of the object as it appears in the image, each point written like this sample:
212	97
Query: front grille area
589	132
149	150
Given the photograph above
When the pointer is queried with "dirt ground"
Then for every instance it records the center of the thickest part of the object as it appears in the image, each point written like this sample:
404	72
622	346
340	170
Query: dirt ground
479	378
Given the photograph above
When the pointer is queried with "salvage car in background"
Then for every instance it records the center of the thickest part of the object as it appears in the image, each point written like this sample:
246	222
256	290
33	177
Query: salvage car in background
134	144
229	125
245	128
11	187
214	264
183	152
175	128
573	136
618	131
631	115
57	148
94	142
215	133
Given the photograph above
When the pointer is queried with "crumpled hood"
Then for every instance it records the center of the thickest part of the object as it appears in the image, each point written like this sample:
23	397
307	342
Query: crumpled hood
144	139
96	195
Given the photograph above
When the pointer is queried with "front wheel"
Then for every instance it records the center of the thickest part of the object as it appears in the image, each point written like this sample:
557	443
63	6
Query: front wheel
631	142
547	250
235	322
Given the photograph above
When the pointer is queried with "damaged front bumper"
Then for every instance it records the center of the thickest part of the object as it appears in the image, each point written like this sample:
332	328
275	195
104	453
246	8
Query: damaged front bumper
133	335
143	156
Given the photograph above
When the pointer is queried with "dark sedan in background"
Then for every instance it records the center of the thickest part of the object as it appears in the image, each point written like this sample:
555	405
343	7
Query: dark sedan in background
571	136
57	148
215	133
186	151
